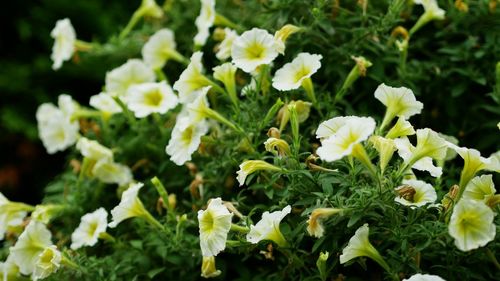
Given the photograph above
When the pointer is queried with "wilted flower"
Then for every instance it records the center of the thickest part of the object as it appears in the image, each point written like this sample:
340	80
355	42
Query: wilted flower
91	226
208	269
250	166
30	244
399	102
471	224
64	44
47	263
148	98
278	146
186	137
415	193
133	72
192	81
402	128
424	277
360	246
214	223
111	172
224	49
105	103
204	21
406	150
253	48
160	48
268	228
302	108
315	227
480	188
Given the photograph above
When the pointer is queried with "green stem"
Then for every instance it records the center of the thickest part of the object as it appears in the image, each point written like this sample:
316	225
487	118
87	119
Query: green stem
69	263
151	220
161	75
128	114
222	20
177	56
493	259
83	46
309	88
238	228
138	14
107	237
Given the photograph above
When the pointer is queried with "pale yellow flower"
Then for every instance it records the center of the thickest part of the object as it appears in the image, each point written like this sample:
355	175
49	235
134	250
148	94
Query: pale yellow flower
64	42
253	48
12	214
204	21
251	166
480	188
110	172
224	48
130	206
424	277
406	151
402	128
415	193
294	74
208	269
91	226
282	35
192	81
268	228
471	224
48	262
105	103
93	150
148	98
185	139
214	223
133	72
160	48
385	148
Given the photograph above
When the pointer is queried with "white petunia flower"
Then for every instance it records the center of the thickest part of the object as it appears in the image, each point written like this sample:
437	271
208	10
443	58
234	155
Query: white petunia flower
294	74
415	193
104	102
91	226
385	148
30	244
360	246
130	206
110	172
204	21
226	74
343	140
399	102
424	277
282	35
268	228
160	48
48	262
12	214
224	49
192	81
480	188
406	151
185	139
251	166
402	128
148	98
133	72
214	223
431	8
64	42
93	150
253	48
471	224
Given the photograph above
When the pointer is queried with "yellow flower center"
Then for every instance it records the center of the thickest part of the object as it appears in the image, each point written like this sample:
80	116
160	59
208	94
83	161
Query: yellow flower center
256	51
187	135
303	72
207	222
92	228
46	256
153	98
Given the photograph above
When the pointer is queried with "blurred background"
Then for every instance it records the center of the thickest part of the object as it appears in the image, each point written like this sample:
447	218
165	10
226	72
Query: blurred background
451	66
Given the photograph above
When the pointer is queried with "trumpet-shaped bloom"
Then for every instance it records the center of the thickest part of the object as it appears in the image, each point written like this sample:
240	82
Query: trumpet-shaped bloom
282	35
293	74
208	269
471	224
12	214
385	148
399	102
133	72
191	82
9	270
360	246
47	263
415	193
186	137
110	172
431	8
402	128
406	150
480	188
64	42
91	226
151	9
330	127
130	206
253	48
160	48
314	223
225	73
46	212
214	223
148	98
268	228
343	139
30	244
93	150
424	277
104	102
224	49
204	21
251	166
